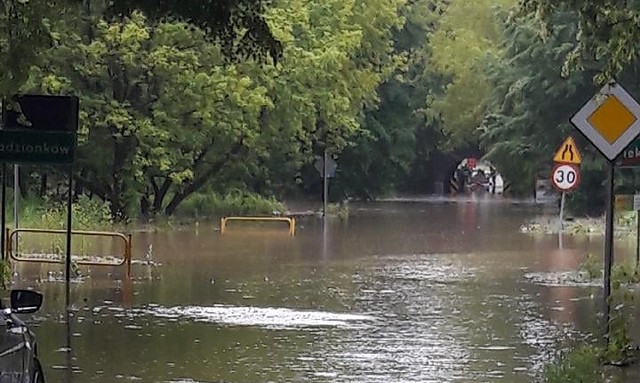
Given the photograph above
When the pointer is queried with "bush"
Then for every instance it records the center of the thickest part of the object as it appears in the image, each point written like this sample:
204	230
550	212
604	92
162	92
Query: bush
339	210
581	365
88	214
592	266
201	205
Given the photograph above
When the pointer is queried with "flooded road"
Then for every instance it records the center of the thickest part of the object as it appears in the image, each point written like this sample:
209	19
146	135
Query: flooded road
398	292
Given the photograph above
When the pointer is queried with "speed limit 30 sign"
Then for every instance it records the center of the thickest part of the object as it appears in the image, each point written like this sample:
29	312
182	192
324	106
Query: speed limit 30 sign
565	177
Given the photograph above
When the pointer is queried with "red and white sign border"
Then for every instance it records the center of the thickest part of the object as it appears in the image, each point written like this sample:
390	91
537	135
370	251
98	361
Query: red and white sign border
575	168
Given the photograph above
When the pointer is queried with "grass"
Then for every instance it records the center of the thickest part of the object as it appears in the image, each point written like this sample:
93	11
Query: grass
88	214
580	365
210	205
586	363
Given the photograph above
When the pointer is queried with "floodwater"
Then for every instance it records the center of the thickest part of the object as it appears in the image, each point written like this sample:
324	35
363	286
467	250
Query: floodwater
402	291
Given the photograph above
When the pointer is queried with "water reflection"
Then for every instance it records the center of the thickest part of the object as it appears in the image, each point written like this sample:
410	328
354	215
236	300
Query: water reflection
399	292
265	317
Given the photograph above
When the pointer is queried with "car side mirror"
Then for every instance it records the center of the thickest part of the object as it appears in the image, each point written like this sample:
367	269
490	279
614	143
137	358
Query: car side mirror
25	301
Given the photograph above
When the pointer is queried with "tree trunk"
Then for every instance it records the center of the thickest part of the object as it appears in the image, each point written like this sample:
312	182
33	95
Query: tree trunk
22	183
101	191
78	190
145	208
197	183
43	185
159	194
115	205
122	148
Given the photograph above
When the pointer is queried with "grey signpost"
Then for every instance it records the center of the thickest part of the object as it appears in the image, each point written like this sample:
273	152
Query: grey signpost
40	129
326	166
610	121
565	176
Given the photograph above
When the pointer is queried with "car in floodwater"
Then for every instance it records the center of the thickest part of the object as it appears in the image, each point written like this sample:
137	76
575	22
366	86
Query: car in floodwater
18	349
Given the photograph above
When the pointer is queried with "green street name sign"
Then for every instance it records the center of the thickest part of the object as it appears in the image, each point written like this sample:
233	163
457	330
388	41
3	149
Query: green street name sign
30	146
630	155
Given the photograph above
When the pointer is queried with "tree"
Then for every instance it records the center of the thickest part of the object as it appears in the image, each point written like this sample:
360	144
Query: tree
22	34
608	32
238	26
525	124
165	113
461	49
335	55
160	113
385	151
25	28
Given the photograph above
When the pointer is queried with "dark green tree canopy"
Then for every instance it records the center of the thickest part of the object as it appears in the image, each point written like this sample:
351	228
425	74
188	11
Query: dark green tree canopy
608	36
223	19
238	26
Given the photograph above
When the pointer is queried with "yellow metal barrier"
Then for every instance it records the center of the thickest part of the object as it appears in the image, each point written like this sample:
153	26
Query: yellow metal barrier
290	220
126	239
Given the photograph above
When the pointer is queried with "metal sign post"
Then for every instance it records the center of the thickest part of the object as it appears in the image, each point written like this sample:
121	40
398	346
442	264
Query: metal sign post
69	218
16	200
562	198
636	207
325	184
326	166
3	215
608	243
565	176
48	137
610	121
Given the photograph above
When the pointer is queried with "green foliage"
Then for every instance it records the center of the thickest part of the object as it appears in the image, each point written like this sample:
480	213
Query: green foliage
609	31
620	347
581	365
26	28
525	126
135	138
88	214
590	197
338	210
461	49
592	267
5	273
208	205
238	24
622	274
165	113
626	219
382	154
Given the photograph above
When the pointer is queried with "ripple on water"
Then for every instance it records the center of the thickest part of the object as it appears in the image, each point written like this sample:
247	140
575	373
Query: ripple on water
440	320
563	278
425	319
266	317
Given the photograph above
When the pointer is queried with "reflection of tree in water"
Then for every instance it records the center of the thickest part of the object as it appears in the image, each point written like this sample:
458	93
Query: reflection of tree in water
53	246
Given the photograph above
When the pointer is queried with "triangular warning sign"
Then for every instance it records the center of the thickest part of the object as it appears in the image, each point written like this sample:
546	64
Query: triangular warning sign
568	153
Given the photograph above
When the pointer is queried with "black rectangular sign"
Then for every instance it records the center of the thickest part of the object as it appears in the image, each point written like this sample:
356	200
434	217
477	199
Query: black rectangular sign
41	112
30	146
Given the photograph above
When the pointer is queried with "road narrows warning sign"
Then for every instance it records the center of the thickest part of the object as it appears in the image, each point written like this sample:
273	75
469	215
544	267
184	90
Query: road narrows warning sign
568	153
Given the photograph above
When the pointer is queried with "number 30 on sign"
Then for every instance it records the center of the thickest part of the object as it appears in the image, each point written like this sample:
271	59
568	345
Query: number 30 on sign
565	177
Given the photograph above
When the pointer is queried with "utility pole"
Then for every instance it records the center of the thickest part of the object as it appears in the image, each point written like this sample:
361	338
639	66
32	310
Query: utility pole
325	183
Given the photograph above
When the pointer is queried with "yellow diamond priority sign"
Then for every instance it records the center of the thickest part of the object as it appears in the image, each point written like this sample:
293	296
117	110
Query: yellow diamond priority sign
610	120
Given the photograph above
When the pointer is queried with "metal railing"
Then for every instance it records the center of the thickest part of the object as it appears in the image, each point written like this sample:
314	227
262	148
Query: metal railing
290	220
124	259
